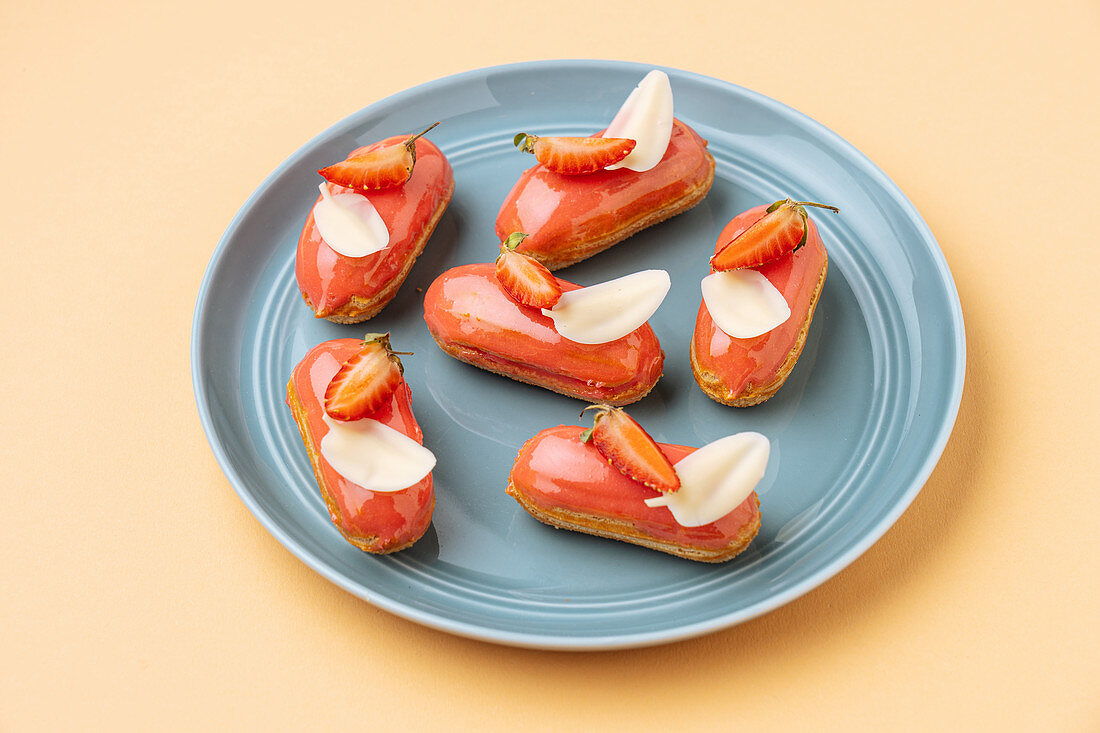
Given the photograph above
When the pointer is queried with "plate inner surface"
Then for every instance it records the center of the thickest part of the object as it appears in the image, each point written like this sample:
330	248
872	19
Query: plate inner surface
854	432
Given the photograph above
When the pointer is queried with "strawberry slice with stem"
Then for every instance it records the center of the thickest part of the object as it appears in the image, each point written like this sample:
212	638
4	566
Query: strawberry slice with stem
377	168
525	279
779	232
366	381
575	156
629	449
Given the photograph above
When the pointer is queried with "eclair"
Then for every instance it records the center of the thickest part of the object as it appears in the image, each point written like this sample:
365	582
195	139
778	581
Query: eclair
562	479
373	472
571	217
742	366
473	318
376	224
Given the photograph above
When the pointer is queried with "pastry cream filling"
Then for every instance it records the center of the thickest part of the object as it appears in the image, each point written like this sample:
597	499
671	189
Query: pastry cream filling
349	223
609	310
743	303
716	479
646	117
374	455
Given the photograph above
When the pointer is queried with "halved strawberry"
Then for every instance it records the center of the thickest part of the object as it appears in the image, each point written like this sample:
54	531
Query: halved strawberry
779	232
365	381
524	278
629	449
575	155
383	167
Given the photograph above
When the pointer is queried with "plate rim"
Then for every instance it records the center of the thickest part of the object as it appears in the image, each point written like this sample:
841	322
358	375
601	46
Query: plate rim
605	641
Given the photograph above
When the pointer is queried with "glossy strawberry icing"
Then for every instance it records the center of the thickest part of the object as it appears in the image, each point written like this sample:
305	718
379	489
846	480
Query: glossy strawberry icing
555	470
466	307
329	279
396	518
559	211
740	363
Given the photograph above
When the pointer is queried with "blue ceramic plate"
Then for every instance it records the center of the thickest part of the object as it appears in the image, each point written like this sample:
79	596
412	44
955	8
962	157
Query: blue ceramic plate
855	431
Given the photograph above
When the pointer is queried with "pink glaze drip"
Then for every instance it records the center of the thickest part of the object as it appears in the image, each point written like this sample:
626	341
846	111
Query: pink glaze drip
559	211
396	518
555	470
466	306
329	279
741	362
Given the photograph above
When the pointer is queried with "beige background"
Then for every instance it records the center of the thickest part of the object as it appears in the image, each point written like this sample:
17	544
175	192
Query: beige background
135	586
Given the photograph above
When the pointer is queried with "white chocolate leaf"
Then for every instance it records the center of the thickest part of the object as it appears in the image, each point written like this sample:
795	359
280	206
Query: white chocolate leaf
374	455
646	117
716	479
349	223
609	310
743	303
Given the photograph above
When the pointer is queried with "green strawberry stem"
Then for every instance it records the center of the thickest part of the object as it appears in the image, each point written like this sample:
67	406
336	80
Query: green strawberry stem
410	144
384	340
422	133
514	239
833	209
603	410
525	142
788	202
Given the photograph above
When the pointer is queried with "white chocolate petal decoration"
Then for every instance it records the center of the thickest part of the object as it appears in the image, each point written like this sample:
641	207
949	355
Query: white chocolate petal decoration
646	117
349	223
609	310
374	455
716	479
743	303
